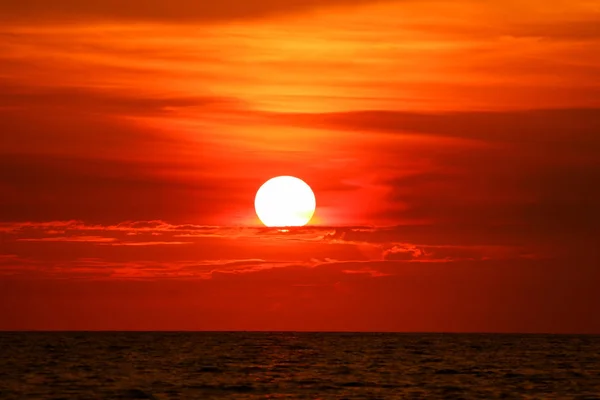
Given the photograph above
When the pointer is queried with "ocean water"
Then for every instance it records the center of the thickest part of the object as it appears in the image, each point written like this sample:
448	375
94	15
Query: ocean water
153	365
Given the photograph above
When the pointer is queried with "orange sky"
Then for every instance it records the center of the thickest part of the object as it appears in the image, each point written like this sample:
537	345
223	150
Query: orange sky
452	147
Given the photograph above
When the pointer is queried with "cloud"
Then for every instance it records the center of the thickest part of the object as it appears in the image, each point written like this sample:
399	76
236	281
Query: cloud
415	240
512	172
584	29
97	101
87	268
162	121
403	253
75	239
366	271
493	296
13	227
95	189
176	10
113	252
551	126
155	243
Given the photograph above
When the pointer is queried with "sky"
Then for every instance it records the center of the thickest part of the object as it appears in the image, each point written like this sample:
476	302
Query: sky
453	148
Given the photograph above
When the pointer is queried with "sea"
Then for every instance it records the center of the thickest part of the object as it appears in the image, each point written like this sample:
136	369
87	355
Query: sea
288	365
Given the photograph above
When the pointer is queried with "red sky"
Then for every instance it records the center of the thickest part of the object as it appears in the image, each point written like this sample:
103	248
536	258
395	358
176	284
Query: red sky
453	147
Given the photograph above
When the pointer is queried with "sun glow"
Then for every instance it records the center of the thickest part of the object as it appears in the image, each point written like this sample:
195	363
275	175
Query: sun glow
285	201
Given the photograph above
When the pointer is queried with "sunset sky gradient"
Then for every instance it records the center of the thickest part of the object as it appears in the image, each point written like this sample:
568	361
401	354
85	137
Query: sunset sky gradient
453	148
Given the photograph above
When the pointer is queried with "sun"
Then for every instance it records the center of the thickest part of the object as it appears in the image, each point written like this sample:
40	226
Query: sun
285	201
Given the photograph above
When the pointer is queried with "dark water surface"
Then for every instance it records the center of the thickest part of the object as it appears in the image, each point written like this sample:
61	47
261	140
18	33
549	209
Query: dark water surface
297	365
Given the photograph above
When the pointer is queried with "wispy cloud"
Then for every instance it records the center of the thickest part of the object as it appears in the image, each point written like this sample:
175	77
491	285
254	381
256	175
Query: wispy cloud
178	10
155	243
76	239
154	252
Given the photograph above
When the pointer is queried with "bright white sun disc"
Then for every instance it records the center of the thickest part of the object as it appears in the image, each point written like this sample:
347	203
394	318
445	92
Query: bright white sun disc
285	201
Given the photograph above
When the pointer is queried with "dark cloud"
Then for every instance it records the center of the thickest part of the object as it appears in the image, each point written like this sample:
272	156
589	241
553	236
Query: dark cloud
571	29
67	151
70	239
176	10
87	100
529	175
42	188
145	244
585	29
545	194
520	127
86	122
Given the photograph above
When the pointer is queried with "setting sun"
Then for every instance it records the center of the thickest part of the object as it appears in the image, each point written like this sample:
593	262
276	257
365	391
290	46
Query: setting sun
285	201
